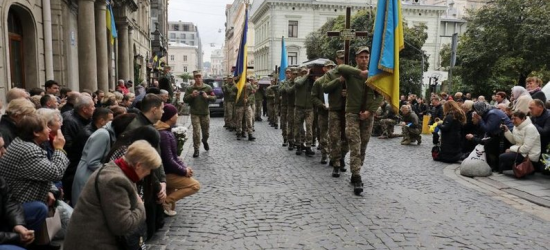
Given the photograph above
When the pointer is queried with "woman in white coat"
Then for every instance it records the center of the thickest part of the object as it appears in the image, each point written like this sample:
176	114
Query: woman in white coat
525	139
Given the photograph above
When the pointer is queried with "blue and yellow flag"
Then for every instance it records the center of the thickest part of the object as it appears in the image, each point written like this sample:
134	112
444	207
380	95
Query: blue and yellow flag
242	59
110	21
284	61
386	43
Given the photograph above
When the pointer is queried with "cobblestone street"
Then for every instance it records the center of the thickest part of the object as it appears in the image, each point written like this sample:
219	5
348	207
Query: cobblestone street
259	195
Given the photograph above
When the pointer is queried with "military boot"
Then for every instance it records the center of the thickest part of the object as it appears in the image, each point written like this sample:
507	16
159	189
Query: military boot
276	126
251	137
330	163
309	152
342	165
299	149
418	140
196	153
285	142
243	134
336	172
205	144
357	184
239	136
406	141
290	146
323	159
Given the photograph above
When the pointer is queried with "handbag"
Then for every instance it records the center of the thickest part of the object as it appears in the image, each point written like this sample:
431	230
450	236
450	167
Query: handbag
524	168
51	226
130	241
435	152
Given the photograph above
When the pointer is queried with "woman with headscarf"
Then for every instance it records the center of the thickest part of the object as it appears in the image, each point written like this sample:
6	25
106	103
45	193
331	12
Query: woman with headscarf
450	129
488	120
109	205
522	98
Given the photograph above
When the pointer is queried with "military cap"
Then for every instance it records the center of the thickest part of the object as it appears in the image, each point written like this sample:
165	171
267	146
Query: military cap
197	73
362	49
288	69
295	70
340	53
303	69
329	63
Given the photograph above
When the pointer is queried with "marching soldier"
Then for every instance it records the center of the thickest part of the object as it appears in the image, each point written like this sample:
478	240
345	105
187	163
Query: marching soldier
336	118
410	126
303	113
252	102
284	106
270	97
198	97
229	103
241	111
318	98
259	96
290	108
361	103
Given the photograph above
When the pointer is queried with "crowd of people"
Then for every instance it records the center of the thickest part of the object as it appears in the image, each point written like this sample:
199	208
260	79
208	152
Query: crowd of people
109	157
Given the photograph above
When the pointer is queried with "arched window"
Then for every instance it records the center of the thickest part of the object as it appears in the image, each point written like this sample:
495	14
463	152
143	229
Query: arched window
15	33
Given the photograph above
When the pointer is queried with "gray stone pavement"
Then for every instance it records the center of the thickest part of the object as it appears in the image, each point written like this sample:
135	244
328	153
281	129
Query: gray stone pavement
259	195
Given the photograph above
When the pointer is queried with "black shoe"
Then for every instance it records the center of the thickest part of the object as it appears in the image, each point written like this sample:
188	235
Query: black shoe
206	146
335	172
343	169
357	184
309	152
251	138
239	137
299	150
290	146
330	163
276	126
196	153
243	134
285	143
225	125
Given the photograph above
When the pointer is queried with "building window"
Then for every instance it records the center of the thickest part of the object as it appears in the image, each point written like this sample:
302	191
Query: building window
171	57
184	68
185	58
192	43
192	36
292	28
172	36
186	27
176	27
292	58
183	36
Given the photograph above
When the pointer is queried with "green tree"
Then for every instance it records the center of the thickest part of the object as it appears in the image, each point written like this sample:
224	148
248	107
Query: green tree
319	45
185	77
506	41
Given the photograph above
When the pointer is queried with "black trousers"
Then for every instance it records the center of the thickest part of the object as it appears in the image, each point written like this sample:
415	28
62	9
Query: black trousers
507	160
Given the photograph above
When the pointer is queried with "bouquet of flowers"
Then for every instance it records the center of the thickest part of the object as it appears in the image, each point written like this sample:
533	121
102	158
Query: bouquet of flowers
181	136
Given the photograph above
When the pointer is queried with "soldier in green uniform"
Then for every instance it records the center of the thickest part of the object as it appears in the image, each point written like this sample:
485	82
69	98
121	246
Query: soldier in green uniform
387	120
290	108
276	102
241	111
259	96
197	97
270	99
229	103
318	99
303	113
252	102
339	146
284	105
361	103
410	126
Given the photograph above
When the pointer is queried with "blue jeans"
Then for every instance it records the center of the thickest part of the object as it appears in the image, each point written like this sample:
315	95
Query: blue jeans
35	215
10	247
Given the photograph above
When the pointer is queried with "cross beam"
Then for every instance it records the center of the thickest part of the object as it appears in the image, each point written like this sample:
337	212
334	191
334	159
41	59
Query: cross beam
348	34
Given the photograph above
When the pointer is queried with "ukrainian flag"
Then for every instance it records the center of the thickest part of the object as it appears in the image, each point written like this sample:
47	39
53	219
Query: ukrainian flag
242	59
284	61
386	43
111	23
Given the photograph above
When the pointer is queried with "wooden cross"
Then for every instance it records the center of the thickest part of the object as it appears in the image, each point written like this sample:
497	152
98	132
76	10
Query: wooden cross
347	34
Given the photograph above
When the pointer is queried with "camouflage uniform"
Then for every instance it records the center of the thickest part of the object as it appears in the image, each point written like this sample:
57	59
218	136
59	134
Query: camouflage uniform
411	130
259	96
200	114
229	104
242	110
270	97
284	110
359	97
290	112
304	112
336	120
318	100
387	120
252	105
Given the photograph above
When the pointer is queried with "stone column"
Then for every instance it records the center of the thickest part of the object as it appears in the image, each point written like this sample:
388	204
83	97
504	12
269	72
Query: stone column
87	60
123	51
102	40
131	53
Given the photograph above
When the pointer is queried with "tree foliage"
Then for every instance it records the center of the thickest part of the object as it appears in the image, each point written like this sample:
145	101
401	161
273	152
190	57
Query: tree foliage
506	41
319	45
185	76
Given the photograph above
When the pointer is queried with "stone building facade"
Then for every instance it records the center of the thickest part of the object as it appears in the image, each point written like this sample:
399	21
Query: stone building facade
68	41
183	59
235	14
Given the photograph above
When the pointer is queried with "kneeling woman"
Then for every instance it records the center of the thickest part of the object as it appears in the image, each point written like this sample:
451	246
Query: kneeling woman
525	139
450	132
109	205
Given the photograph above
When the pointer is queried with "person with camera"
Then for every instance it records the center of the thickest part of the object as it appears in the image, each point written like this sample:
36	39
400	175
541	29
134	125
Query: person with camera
525	139
198	97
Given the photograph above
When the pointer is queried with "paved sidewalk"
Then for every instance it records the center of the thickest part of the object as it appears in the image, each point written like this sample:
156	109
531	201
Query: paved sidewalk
534	188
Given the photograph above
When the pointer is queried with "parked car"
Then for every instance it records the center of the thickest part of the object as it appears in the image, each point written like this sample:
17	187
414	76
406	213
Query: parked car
216	84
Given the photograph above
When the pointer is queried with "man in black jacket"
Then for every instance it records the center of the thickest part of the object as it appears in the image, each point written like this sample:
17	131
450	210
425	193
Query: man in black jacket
437	110
540	117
